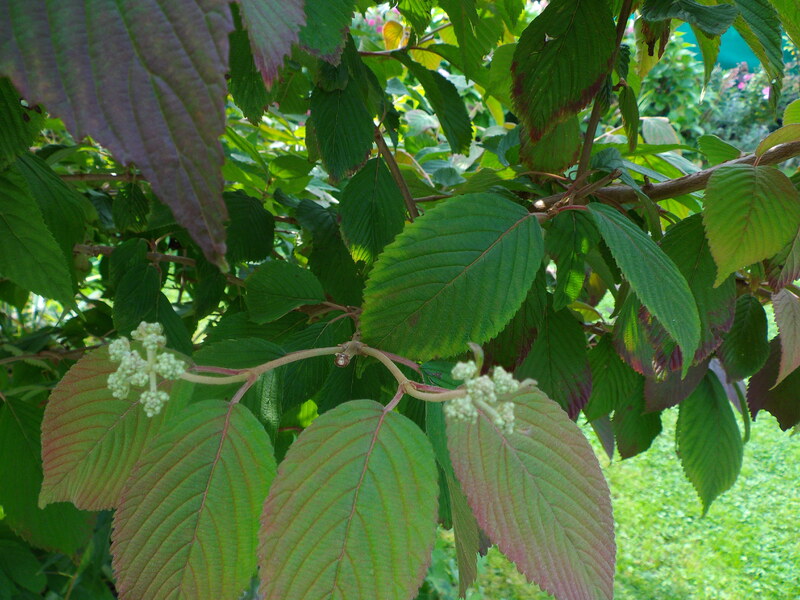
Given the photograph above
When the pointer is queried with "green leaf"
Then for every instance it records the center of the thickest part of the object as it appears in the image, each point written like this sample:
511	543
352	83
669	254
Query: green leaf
570	237
60	527
709	48
791	114
782	400
448	105
20	564
273	27
236	325
130	209
29	254
751	213
417	13
372	211
190	508
745	348
327	22
251	229
666	296
634	428
787	133
540	495
789	13
759	26
557	361
471	33
670	389
138	298
245	83
352	512
787	318
344	128
613	381
561	60
21	124
686	245
276	287
716	150
475	255
165	119
556	150
712	20
629	110
91	440
709	442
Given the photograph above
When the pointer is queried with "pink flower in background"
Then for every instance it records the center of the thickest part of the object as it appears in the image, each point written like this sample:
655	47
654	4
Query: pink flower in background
765	92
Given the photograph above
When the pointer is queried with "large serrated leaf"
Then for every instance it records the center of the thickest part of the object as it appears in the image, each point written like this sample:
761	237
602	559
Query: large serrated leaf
787	317
540	495
29	254
784	268
634	428
475	256
327	22
613	381
569	238
709	442
557	360
760	27
372	211
656	280
789	13
273	26
160	100
750	214
712	20
91	440
60	527
187	521
352	512
561	60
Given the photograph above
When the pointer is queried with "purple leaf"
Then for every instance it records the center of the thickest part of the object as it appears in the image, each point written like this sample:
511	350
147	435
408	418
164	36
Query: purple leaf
273	26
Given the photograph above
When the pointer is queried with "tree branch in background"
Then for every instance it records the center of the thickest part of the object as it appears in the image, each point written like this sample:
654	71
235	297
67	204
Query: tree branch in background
101	177
682	185
387	155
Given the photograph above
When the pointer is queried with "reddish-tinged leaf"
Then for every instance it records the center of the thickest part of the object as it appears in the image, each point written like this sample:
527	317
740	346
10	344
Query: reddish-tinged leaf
787	317
187	521
782	400
671	390
745	347
272	26
352	512
143	78
91	440
784	268
540	495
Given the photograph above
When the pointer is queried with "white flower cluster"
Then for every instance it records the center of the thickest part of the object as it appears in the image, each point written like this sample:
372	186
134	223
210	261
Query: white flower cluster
139	372
482	395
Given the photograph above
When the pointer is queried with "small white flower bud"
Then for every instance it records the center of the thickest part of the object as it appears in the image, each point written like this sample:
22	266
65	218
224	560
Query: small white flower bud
482	388
504	382
169	367
118	349
464	371
153	402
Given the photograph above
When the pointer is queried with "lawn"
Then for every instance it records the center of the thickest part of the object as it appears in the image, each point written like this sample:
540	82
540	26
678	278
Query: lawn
748	546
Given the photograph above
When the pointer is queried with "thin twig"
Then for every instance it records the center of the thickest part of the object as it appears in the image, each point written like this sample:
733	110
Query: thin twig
55	356
394	169
594	118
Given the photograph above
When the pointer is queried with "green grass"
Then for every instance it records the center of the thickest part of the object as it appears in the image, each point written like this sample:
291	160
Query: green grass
747	547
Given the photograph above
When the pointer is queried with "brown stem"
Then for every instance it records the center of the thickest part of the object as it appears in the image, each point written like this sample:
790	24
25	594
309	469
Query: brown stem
396	174
682	185
594	118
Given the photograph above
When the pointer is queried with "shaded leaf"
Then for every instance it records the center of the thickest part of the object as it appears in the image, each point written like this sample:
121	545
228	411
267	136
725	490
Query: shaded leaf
787	317
372	211
759	26
276	287
354	502
667	297
448	262
709	442
716	150
417	12
634	428
570	237
557	361
327	23
712	20
91	440
59	527
21	124
245	83
789	13
783	400
191	506
146	111
670	389
561	60
556	150
784	268
251	229
29	254
613	381
19	563
561	534
745	348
